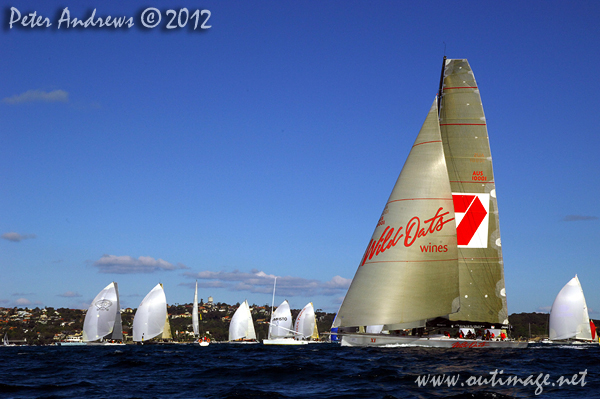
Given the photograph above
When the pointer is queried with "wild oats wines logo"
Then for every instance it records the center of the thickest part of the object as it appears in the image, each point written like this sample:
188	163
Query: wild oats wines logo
413	230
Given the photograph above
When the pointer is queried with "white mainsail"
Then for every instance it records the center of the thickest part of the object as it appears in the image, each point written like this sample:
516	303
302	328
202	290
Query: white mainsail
241	326
409	271
103	317
195	325
306	323
469	161
151	316
281	322
569	315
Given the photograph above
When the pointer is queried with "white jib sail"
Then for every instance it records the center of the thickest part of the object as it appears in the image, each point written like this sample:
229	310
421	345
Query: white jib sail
281	322
569	315
305	323
195	325
102	314
241	326
149	320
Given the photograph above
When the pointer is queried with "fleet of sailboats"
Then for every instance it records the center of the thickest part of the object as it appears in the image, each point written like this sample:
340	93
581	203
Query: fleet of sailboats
435	257
280	326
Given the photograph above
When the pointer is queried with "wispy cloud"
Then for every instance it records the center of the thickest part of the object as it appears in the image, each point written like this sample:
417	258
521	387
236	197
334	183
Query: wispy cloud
544	309
578	218
130	265
38	96
16	237
260	282
22	302
70	294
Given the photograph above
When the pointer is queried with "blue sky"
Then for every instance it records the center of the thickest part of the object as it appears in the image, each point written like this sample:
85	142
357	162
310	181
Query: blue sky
268	144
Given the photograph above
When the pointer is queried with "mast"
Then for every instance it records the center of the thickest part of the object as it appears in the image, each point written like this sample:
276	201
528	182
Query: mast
439	95
272	307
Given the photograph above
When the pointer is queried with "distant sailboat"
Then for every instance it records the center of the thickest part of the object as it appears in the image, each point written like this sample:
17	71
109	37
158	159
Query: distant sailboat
435	256
280	327
241	328
102	324
569	318
151	319
195	324
306	324
204	341
5	341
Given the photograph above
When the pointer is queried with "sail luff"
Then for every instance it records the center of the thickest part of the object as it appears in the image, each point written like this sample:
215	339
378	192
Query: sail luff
469	161
409	270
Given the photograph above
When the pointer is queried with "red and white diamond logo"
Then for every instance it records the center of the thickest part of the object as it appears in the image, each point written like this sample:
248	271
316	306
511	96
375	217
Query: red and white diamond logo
472	219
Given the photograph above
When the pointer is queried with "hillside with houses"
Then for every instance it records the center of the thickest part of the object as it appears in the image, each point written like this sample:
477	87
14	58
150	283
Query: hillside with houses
45	326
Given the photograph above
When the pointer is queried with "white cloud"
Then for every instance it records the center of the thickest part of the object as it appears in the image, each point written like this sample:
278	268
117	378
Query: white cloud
38	96
16	237
70	294
130	265
22	302
260	282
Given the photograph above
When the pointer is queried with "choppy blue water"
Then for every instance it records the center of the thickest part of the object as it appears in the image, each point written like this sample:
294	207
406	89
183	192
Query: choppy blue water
310	371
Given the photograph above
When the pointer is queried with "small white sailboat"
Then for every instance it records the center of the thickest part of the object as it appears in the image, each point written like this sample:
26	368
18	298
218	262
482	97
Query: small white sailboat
569	318
280	327
241	327
306	324
5	341
435	256
151	319
102	324
195	321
